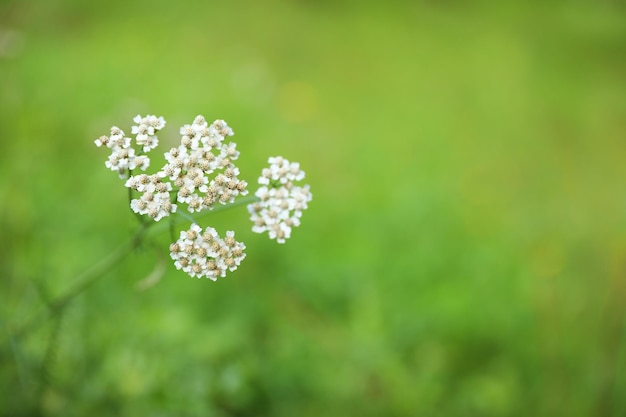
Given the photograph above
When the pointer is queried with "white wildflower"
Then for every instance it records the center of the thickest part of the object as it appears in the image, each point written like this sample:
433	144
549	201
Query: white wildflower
280	202
123	158
201	154
155	198
203	254
145	131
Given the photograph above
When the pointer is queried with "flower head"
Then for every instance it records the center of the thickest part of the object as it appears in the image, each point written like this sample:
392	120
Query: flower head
124	158
155	200
281	202
202	153
145	131
200	173
203	254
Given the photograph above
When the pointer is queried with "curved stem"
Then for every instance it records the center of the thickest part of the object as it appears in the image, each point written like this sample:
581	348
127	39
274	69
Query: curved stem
57	304
82	282
186	216
139	217
245	200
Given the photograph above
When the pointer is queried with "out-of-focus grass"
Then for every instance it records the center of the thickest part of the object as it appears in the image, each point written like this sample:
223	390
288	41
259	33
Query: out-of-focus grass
463	254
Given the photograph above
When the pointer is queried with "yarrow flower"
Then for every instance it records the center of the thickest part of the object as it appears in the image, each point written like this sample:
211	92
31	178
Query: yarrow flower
123	156
281	201
203	254
201	153
199	174
155	200
145	131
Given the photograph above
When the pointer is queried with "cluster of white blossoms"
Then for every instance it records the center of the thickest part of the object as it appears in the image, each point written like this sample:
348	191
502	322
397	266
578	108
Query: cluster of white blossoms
281	201
204	254
145	131
123	157
201	153
155	200
198	174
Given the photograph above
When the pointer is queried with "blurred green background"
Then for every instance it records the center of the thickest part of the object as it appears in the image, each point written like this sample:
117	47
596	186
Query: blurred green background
464	253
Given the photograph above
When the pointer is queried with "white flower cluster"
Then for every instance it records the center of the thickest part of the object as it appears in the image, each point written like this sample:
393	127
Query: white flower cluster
122	158
201	153
155	200
145	131
281	202
204	254
200	173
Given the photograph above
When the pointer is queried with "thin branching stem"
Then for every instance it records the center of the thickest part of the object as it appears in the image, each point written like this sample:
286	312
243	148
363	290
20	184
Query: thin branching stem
138	216
81	283
57	304
193	219
244	200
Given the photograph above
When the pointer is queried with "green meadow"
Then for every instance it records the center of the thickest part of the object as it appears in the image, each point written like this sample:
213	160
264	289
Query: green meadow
464	253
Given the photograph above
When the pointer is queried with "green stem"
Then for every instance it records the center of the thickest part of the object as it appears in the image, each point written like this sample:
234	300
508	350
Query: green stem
186	216
244	200
57	304
139	217
82	282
